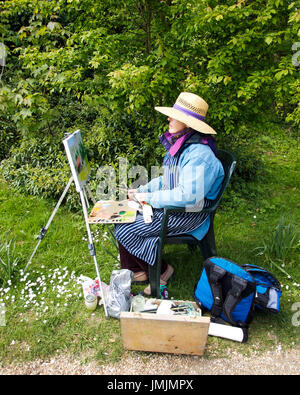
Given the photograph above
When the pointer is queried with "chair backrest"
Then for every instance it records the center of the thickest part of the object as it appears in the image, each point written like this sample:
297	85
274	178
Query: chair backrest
228	162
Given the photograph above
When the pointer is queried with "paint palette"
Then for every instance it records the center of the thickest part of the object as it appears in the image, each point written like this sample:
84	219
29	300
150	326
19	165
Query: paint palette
112	212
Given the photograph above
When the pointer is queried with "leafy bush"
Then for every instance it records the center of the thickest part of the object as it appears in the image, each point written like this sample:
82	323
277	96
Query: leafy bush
280	243
8	136
102	66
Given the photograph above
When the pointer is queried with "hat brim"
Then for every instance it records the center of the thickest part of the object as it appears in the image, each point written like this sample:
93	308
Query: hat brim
190	121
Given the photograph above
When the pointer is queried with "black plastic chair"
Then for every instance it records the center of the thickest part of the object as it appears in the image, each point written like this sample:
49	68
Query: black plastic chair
207	244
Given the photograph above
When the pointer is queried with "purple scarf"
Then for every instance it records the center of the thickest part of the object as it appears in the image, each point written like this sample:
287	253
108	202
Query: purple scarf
174	141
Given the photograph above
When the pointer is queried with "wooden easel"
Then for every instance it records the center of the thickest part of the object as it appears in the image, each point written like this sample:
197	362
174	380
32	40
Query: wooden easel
81	188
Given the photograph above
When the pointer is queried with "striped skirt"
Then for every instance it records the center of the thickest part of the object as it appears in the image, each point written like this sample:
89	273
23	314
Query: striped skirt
141	239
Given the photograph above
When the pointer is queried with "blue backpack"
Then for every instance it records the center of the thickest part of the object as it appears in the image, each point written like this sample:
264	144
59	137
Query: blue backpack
231	292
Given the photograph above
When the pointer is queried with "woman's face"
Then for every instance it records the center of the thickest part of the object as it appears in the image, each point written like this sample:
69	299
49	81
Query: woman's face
175	126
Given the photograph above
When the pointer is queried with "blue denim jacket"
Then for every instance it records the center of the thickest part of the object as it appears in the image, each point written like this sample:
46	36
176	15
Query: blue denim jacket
199	174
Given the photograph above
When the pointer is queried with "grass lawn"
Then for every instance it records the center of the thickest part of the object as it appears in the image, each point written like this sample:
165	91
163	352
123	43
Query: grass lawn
44	308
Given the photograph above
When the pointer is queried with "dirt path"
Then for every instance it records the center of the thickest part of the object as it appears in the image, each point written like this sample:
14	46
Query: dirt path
277	362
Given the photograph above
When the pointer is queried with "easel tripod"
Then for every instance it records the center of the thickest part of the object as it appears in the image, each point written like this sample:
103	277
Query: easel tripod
85	204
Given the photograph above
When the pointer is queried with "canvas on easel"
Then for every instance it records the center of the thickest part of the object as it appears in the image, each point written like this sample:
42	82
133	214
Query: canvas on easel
78	160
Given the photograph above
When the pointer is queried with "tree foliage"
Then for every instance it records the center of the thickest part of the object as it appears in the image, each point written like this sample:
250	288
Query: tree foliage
102	66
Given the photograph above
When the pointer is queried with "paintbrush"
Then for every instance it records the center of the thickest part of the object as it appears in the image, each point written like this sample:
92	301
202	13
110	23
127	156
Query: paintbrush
133	197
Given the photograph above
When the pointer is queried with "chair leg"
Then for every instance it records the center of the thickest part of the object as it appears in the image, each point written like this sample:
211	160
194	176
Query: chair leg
155	271
208	243
154	279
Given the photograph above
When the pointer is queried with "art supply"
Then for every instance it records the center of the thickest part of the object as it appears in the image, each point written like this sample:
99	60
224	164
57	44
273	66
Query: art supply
137	202
189	310
164	331
144	207
124	187
112	212
150	308
165	307
186	309
78	159
133	205
91	302
80	170
147	213
227	332
138	303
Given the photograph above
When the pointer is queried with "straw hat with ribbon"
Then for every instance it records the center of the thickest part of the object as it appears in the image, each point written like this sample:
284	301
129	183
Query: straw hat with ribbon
190	109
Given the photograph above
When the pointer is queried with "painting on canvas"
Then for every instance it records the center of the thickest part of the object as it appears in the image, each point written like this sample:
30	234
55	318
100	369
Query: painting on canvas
77	159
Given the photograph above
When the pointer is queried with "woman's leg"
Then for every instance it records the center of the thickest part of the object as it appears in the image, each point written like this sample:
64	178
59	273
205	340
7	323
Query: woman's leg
136	265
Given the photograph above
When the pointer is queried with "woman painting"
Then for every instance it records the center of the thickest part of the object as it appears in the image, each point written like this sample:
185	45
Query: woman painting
192	177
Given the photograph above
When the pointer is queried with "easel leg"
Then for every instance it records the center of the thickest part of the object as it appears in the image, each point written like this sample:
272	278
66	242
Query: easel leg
44	229
92	247
90	193
91	244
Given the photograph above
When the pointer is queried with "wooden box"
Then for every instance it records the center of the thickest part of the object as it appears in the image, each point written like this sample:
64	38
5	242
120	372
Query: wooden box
177	334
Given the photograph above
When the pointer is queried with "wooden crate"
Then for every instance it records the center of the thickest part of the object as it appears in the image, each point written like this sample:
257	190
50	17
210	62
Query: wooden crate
177	334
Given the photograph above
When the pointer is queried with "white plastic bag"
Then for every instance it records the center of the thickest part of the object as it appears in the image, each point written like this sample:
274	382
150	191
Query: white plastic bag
119	296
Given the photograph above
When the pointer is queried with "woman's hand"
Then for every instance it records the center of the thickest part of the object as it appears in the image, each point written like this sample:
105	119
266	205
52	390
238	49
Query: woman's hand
131	193
141	197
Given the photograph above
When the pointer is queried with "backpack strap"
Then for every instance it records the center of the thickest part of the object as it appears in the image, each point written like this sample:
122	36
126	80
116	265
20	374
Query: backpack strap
233	296
216	275
238	285
261	299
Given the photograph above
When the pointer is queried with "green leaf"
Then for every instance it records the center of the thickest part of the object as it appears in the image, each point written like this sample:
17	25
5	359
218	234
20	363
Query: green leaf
25	113
53	26
268	40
